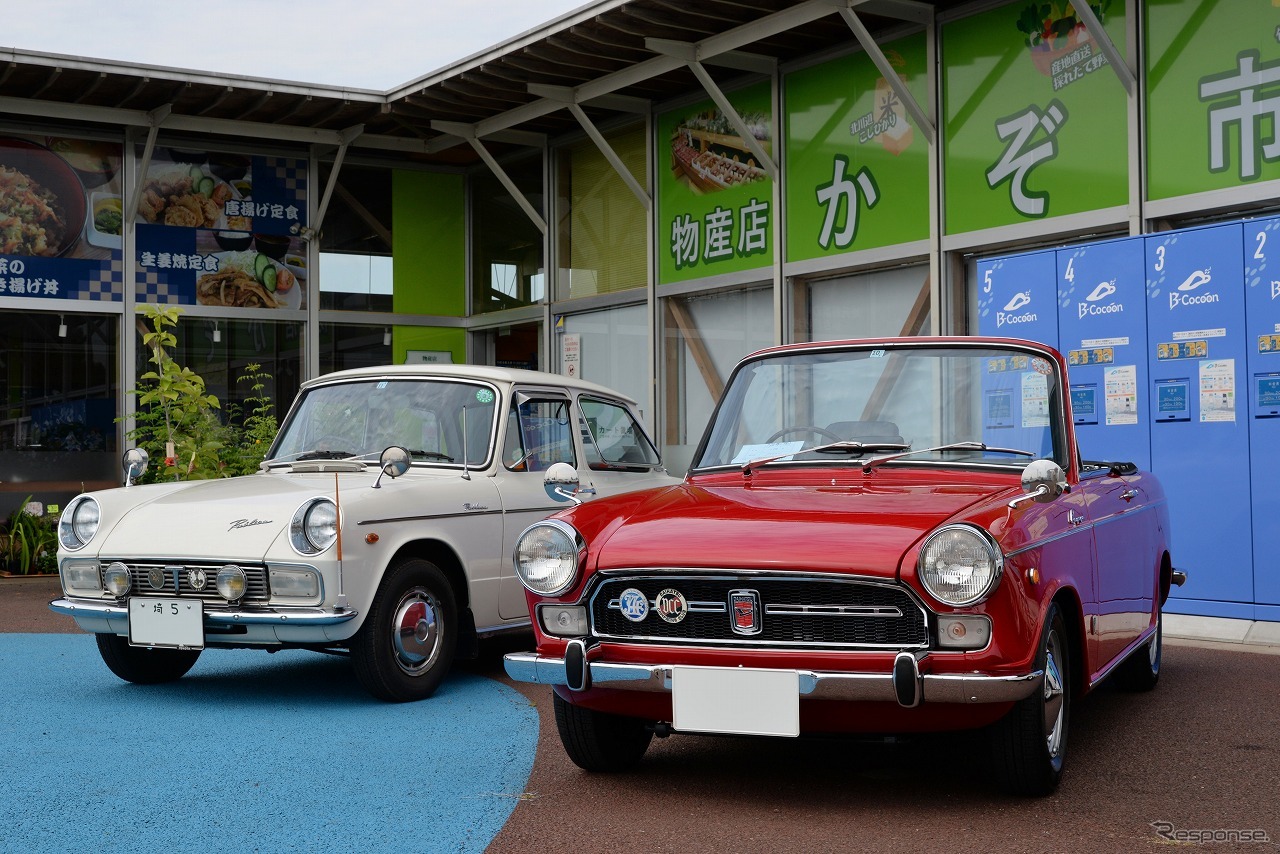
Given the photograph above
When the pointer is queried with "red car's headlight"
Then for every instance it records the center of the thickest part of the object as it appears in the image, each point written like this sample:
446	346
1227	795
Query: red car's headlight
960	565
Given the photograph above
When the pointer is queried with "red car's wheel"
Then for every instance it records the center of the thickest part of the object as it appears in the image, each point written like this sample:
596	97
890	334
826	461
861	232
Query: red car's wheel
597	741
1141	670
1031	742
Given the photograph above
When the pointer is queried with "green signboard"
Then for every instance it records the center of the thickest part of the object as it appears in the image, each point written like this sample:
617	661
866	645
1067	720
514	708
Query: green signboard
857	167
714	199
1213	77
1035	122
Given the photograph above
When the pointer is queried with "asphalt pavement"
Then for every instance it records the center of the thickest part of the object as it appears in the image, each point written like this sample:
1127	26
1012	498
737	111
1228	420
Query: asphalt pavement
1194	764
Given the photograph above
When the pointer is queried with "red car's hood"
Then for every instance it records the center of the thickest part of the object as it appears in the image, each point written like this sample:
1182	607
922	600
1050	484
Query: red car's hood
862	529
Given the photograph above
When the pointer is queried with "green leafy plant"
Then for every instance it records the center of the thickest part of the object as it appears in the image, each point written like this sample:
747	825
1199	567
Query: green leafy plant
29	543
251	427
175	422
1050	23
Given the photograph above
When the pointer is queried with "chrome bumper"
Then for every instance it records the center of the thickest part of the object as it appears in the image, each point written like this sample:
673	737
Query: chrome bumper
905	685
293	617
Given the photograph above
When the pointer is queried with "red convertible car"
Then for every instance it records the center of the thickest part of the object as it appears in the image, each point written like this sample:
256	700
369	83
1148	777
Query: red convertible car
882	536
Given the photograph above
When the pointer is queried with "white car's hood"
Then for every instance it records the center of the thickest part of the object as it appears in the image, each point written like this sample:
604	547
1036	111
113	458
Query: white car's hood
236	518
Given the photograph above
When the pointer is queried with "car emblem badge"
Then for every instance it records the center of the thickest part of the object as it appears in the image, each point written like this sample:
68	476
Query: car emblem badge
197	579
155	577
744	605
634	605
671	605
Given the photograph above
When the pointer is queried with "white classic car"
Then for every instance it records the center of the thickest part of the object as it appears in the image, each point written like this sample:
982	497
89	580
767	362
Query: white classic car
381	524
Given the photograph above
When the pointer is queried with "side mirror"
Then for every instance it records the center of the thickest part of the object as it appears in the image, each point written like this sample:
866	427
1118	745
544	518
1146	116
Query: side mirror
561	481
1042	481
394	462
134	463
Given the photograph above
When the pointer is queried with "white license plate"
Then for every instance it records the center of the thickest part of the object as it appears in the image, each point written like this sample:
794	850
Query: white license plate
166	622
736	700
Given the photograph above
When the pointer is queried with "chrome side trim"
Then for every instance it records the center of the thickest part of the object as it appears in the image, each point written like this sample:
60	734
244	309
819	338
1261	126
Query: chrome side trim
293	617
856	687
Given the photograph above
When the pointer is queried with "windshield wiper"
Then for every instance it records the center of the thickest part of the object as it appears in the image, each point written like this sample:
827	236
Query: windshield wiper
431	455
868	465
324	455
850	446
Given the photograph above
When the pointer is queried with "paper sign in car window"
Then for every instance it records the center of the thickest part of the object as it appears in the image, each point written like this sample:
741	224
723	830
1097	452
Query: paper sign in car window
768	449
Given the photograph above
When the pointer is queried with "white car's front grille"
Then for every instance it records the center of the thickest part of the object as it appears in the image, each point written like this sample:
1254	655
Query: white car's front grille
181	580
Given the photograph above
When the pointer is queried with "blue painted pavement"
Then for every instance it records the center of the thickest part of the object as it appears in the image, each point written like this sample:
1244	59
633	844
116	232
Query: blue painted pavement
249	752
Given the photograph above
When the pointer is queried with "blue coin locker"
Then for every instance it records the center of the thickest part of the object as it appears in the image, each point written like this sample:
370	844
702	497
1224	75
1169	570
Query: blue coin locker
1199	426
1262	387
1102	333
1017	299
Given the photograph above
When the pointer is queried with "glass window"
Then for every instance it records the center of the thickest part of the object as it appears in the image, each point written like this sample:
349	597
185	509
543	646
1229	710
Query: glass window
361	418
611	438
602	226
59	386
347	346
878	304
613	348
355	240
220	351
704	337
538	434
506	245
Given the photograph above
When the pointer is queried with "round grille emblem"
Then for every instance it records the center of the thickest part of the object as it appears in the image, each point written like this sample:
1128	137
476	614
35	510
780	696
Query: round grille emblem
197	579
155	577
671	605
634	605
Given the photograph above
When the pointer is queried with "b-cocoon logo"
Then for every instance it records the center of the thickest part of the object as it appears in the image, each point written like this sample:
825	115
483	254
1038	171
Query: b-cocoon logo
1020	300
1197	278
1101	292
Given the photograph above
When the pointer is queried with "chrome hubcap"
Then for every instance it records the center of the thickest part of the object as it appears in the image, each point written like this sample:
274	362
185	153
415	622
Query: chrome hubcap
1153	648
415	631
1054	696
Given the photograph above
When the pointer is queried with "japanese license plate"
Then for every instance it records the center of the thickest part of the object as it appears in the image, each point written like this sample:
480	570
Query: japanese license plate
738	700
166	622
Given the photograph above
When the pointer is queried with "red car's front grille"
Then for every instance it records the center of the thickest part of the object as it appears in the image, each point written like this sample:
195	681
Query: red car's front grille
817	612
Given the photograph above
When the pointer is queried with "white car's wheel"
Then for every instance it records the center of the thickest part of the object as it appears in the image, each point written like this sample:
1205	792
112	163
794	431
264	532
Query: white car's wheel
406	645
142	665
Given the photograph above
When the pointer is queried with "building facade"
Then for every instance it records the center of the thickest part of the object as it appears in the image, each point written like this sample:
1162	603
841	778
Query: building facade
639	192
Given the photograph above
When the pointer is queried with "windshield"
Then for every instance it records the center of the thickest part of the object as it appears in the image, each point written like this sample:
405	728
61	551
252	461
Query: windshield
861	403
360	419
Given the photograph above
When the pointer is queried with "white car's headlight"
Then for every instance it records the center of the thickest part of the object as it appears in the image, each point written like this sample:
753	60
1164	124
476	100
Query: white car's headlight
78	523
960	565
314	526
548	556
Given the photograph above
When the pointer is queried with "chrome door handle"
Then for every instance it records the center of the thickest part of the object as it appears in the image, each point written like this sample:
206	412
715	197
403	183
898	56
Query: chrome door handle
1073	520
1129	494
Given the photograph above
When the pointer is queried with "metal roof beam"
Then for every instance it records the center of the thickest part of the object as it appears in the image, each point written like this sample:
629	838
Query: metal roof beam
155	118
344	140
468	134
738	37
689	53
887	71
736	59
1091	23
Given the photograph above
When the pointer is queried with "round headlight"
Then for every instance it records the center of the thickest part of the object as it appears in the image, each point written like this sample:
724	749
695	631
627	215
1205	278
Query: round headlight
314	527
116	579
960	565
232	582
78	523
547	557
